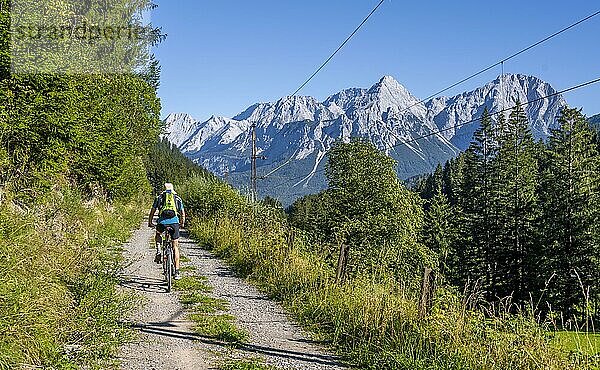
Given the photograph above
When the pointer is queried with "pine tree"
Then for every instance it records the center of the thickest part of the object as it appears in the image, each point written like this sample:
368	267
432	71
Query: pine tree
452	178
516	202
569	191
439	233
433	184
478	224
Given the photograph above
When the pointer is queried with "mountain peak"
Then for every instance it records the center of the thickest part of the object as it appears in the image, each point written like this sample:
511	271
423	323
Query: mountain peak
179	127
181	120
179	116
297	99
388	80
391	84
501	94
526	82
391	94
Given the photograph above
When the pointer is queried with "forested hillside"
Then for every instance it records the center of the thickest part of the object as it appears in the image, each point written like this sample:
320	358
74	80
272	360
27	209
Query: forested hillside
520	219
165	163
72	179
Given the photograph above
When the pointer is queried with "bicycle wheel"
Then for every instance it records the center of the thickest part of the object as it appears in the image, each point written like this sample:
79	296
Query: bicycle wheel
164	258
169	271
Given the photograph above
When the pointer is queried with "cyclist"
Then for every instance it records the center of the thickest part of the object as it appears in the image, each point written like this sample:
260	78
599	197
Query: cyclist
171	214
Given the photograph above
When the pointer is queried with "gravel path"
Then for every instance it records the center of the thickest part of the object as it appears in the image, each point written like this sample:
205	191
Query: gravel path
166	337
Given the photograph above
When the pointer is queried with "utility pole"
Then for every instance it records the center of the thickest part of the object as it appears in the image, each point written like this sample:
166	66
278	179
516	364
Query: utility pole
255	156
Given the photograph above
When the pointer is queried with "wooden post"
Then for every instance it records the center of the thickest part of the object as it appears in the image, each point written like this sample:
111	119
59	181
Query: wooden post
427	291
290	239
253	167
214	234
342	262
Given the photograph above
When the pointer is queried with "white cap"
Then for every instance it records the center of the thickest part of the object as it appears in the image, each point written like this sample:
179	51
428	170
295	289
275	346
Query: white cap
169	187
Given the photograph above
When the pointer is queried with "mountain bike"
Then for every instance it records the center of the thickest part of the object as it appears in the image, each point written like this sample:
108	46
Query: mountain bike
168	253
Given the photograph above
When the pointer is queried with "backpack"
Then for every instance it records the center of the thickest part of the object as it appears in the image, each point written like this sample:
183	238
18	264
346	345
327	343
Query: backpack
169	205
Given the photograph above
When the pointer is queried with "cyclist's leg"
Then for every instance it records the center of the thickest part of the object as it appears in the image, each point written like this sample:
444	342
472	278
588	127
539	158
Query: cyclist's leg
176	249
158	239
160	228
175	237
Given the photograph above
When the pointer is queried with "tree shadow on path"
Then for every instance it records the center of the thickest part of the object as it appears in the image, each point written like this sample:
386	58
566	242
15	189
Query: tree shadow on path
144	284
170	329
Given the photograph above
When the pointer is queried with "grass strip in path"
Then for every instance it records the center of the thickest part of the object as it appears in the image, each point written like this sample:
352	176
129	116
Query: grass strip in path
208	313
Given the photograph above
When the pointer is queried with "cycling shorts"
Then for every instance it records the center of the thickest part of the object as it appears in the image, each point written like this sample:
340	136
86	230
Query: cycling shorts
173	230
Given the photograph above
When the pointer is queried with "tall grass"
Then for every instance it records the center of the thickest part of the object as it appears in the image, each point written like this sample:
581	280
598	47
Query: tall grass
59	263
373	321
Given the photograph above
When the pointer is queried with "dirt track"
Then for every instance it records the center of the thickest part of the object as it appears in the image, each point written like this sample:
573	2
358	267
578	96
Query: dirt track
167	340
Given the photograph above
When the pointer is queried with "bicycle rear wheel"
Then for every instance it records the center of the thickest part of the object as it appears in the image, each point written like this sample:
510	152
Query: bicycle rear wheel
169	269
164	258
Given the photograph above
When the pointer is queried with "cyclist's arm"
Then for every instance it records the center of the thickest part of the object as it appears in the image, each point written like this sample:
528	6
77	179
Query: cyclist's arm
182	221
151	217
181	209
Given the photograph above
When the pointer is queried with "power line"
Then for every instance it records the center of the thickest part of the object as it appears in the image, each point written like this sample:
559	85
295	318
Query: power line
437	132
287	161
338	49
591	82
280	166
502	61
499	63
298	178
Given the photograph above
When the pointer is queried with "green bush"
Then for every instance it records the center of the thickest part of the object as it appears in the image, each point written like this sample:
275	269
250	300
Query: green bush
58	271
373	319
94	129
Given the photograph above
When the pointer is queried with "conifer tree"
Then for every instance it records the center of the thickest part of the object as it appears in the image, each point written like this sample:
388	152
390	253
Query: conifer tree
478	224
433	184
569	223
439	233
516	199
452	178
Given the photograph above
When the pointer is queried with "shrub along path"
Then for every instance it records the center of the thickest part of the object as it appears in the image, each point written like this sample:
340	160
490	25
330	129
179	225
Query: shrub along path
167	338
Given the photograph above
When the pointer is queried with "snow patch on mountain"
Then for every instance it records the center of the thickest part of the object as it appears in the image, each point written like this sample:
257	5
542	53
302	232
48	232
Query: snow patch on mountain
180	127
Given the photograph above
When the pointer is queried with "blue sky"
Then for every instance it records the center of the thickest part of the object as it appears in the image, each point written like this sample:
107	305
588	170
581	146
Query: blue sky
223	56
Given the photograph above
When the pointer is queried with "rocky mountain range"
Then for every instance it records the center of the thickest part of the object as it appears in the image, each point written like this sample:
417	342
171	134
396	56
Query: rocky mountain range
295	133
595	121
